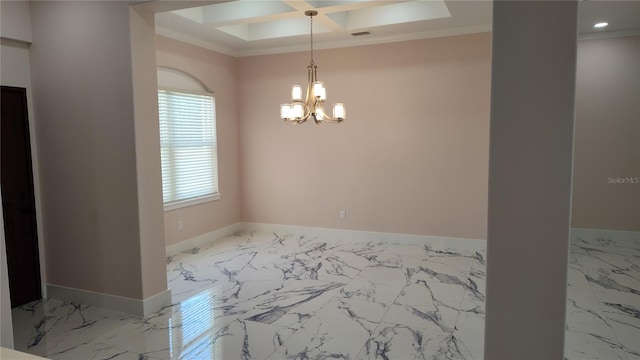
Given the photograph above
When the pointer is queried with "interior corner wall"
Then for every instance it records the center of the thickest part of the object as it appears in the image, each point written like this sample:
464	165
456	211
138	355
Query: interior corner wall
84	111
411	157
147	144
218	73
606	183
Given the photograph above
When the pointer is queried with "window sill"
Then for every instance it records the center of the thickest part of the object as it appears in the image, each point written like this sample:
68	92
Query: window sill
191	202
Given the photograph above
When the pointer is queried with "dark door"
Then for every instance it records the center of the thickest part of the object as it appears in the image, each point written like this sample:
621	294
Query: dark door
18	205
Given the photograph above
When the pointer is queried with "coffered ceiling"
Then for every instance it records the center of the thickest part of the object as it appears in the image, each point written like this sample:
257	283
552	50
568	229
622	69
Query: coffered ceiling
248	27
253	27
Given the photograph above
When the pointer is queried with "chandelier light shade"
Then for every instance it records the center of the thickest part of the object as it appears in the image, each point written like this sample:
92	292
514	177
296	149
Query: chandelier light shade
312	105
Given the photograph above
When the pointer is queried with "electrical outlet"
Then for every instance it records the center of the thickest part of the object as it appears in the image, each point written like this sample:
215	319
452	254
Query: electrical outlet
343	214
180	225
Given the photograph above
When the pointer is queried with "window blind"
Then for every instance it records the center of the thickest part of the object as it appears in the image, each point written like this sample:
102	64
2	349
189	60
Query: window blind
188	145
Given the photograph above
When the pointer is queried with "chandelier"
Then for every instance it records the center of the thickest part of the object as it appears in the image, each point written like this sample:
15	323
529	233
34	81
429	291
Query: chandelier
299	110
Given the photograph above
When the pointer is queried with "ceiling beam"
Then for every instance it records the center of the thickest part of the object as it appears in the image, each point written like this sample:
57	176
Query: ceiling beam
335	17
166	6
302	6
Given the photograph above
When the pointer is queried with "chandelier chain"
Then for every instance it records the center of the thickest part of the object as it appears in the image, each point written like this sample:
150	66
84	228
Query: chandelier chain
311	17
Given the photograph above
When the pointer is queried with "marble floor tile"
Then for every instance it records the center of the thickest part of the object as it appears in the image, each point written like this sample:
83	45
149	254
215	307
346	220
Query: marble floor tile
583	346
383	274
428	317
577	283
408	250
54	328
585	315
154	342
338	330
361	288
469	332
626	326
91	352
606	242
603	299
250	340
290	296
398	341
293	304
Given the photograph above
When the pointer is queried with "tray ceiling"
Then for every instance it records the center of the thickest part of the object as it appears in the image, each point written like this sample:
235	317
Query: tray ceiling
256	27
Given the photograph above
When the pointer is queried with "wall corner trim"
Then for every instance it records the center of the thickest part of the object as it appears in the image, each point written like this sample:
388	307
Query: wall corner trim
112	302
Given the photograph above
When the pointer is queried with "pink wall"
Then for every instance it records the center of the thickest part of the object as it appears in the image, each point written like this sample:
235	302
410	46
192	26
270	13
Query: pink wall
88	156
411	158
218	73
147	144
606	194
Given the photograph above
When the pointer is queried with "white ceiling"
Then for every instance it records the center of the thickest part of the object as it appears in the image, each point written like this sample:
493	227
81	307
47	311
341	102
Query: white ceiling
255	27
623	18
251	27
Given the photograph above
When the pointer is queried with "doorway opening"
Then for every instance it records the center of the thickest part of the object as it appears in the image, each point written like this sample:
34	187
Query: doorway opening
18	198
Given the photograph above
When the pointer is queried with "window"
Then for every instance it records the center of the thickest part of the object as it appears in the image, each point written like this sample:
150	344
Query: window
188	147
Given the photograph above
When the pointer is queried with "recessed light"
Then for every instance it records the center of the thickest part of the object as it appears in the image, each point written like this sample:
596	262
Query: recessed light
600	25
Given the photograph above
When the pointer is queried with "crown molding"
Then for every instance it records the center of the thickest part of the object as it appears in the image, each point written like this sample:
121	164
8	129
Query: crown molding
609	34
351	42
189	39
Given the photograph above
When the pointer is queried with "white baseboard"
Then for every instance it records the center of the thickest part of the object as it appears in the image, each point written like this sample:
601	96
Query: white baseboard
113	302
10	354
623	235
156	302
437	242
203	239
